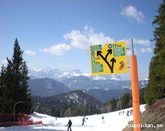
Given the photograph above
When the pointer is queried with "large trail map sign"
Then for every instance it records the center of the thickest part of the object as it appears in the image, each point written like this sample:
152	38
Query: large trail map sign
109	58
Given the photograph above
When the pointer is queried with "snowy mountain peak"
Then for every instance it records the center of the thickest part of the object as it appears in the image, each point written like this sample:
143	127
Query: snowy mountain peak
52	73
58	74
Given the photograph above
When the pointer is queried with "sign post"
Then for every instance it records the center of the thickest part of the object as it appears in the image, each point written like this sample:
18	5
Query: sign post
110	58
135	91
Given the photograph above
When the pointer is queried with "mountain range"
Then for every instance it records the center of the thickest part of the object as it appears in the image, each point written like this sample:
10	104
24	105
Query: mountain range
47	87
51	82
59	74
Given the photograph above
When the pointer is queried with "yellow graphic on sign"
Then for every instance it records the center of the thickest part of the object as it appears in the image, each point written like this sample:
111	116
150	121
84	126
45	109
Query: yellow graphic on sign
109	58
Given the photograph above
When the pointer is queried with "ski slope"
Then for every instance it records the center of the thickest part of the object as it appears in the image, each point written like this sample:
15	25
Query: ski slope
112	121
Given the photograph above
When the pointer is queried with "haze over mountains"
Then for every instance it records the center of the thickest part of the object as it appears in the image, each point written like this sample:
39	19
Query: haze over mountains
49	82
59	74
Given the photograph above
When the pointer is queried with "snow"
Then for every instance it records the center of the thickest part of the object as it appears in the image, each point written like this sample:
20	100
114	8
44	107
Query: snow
112	121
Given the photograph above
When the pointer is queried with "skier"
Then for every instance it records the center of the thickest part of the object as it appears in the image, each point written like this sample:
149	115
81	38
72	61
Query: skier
131	112
83	120
128	113
69	125
103	121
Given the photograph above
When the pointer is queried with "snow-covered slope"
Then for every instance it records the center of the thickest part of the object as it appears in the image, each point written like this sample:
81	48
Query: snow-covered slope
112	121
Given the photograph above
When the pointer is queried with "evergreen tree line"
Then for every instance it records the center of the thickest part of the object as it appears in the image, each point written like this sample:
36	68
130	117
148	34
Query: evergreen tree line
122	103
68	110
61	106
14	94
156	84
53	106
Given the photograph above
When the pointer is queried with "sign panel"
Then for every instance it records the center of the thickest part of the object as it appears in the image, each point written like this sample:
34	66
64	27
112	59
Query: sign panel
109	58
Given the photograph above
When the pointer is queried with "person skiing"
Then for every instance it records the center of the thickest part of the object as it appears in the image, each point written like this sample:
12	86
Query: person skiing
83	120
69	125
103	121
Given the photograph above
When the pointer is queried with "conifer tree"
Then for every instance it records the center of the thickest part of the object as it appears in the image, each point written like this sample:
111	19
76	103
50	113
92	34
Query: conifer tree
15	79
125	100
1	89
156	85
113	104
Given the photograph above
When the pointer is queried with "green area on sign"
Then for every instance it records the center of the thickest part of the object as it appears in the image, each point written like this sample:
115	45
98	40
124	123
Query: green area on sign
119	51
95	48
97	68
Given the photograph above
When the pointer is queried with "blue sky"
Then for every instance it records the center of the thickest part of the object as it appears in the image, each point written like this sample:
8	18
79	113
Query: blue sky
57	33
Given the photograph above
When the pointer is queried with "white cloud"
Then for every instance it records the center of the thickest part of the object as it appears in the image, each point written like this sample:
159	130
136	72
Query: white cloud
77	39
146	50
138	41
142	42
36	69
131	12
58	49
129	51
99	38
30	53
83	38
4	62
96	38
68	66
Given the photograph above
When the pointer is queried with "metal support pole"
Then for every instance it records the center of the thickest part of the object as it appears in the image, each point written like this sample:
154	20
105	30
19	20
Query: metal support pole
15	107
132	46
135	91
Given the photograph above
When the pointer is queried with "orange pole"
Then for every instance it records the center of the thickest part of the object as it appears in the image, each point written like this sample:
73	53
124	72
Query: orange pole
135	93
